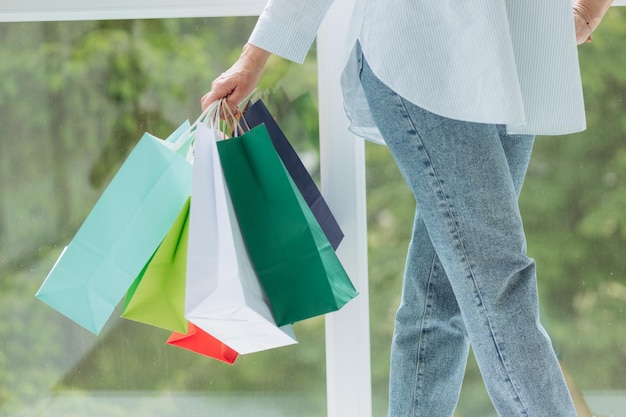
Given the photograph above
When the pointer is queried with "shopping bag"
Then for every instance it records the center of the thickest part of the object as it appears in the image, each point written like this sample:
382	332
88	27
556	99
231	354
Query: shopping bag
199	341
257	114
223	293
157	297
121	233
294	260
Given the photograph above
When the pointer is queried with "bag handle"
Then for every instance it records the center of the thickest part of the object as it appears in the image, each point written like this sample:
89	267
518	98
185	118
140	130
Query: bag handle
216	116
209	117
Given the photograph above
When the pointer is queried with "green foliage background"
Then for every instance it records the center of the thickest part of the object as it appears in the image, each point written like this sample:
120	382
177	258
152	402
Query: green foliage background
75	98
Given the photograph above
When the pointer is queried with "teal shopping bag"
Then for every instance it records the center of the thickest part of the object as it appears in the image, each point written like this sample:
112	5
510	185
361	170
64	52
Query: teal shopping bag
294	260
122	231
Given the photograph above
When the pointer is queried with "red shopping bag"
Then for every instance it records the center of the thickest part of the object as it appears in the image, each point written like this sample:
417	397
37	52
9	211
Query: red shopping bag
198	341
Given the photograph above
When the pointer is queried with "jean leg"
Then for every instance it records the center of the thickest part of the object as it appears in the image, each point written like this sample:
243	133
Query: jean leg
429	332
428	321
467	197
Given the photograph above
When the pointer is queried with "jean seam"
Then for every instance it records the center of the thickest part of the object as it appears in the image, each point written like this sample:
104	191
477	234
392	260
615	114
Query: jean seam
470	274
427	312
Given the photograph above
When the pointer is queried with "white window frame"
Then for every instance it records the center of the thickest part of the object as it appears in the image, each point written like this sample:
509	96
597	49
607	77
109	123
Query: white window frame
342	169
42	10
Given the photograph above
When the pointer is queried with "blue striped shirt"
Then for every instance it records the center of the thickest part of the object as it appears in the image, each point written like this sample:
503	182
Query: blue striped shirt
511	62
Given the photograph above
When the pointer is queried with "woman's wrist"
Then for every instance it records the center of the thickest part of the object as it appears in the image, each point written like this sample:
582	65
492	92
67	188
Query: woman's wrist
255	56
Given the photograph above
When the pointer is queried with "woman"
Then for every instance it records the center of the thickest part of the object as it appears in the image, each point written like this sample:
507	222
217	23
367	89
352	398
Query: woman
456	90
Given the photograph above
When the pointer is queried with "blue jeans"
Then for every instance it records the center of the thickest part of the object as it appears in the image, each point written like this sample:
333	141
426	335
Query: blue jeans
467	279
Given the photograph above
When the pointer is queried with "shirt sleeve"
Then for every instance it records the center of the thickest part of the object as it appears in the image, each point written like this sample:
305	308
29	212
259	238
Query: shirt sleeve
288	27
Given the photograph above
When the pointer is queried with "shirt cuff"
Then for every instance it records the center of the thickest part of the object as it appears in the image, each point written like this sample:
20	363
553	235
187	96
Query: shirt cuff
288	27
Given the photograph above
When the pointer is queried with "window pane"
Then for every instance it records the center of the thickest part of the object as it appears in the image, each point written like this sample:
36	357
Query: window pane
75	97
573	205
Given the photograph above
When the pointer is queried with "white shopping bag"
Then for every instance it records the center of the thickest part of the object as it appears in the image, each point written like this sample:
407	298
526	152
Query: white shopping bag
223	294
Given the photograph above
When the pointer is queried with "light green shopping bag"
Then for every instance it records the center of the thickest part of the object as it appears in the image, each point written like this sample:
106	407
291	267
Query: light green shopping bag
157	297
121	232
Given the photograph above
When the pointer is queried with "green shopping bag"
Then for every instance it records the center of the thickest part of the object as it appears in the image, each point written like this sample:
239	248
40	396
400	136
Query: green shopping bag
296	264
157	297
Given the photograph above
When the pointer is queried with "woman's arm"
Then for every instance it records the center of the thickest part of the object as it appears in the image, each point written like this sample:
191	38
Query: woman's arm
286	28
587	15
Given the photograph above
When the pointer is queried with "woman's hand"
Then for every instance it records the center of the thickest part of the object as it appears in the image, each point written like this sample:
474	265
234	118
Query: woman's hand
239	80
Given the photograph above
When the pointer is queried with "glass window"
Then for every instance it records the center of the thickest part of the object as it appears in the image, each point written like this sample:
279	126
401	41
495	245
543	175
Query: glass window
573	205
75	97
